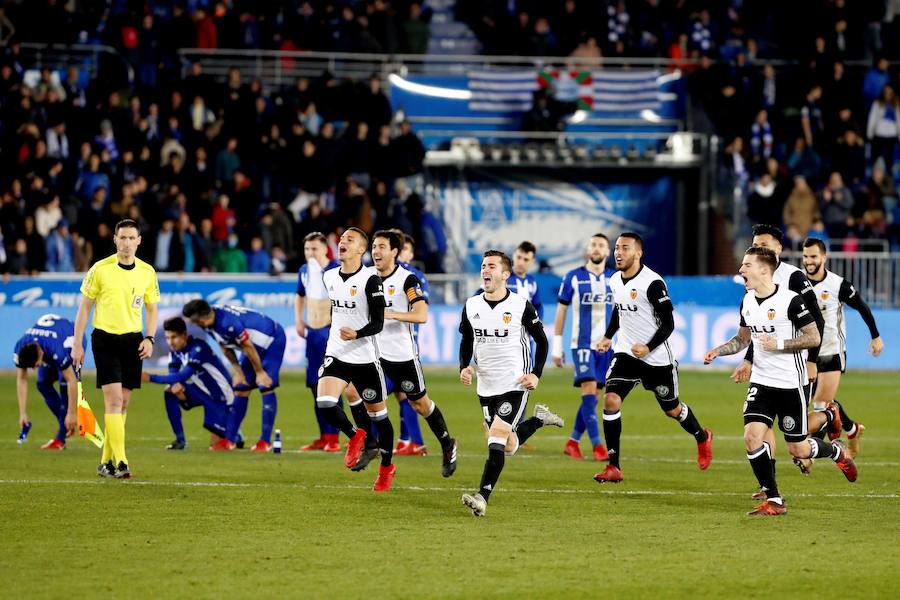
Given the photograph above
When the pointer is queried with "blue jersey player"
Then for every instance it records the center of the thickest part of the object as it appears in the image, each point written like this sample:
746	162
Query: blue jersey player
520	282
312	315
261	342
47	346
196	377
586	290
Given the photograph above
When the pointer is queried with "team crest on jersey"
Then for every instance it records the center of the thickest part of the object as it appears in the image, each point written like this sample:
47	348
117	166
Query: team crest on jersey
391	289
369	394
406	386
353	290
662	391
504	409
633	294
507	317
824	295
771	314
789	423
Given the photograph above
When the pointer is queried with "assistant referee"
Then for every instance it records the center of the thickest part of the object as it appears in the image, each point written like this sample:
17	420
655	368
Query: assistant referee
120	286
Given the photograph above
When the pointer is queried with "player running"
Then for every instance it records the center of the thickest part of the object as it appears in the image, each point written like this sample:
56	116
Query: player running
781	328
644	319
832	293
261	342
495	327
587	290
352	355
196	377
46	346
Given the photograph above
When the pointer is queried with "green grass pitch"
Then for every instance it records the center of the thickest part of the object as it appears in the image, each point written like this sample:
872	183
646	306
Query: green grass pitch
197	524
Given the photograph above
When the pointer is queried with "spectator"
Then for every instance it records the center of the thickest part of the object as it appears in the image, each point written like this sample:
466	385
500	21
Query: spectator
849	158
882	129
763	205
801	208
258	260
83	251
835	206
428	232
206	246
36	247
164	246
223	219
60	250
17	259
415	29
227	161
47	217
761	138
875	80
804	161
231	259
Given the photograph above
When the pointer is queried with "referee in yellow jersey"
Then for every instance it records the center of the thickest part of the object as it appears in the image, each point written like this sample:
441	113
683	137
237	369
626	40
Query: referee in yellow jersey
120	286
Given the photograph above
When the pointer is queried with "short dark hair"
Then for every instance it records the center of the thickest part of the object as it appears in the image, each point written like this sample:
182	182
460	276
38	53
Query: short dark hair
527	246
811	241
633	236
176	325
126	223
27	356
601	236
315	236
504	259
766	229
196	308
360	232
764	255
395	240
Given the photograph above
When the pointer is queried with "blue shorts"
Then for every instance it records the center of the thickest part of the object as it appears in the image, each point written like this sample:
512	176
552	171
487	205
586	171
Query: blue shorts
590	365
271	361
316	341
47	374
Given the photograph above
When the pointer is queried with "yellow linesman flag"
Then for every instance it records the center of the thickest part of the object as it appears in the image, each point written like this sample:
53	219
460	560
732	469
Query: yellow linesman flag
87	422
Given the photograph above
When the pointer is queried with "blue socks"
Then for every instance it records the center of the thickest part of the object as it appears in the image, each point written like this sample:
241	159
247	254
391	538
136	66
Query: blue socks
57	406
173	411
269	410
586	420
236	413
409	420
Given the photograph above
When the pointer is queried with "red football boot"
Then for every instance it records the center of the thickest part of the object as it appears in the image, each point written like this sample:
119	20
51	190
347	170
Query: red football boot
600	453
354	448
610	474
573	449
704	451
385	478
332	443
767	509
223	445
261	446
316	444
54	444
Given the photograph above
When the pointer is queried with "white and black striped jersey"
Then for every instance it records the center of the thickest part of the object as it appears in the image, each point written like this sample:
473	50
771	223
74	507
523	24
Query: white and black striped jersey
495	334
396	341
643	315
357	301
831	294
781	315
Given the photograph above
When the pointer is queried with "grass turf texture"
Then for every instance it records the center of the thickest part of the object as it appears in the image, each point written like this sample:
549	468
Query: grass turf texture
201	524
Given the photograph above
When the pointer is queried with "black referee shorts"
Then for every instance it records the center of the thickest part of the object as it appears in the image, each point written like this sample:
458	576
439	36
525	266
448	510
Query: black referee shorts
116	357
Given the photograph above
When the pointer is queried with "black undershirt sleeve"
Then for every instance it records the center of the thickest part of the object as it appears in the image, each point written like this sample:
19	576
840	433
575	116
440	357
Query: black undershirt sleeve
658	296
467	345
412	287
799	284
799	313
375	297
613	326
532	324
849	296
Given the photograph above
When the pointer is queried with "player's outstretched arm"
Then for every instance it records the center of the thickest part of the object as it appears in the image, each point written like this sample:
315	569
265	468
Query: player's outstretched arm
535	328
851	298
740	341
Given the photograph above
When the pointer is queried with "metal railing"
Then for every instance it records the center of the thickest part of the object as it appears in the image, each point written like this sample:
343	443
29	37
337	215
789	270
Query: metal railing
876	275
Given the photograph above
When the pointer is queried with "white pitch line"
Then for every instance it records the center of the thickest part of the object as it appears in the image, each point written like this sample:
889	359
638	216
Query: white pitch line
608	491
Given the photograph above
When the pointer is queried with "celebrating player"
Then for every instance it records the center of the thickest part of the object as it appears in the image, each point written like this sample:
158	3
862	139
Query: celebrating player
788	276
495	327
832	293
770	316
46	346
261	342
587	289
312	296
351	357
644	319
406	304
196	377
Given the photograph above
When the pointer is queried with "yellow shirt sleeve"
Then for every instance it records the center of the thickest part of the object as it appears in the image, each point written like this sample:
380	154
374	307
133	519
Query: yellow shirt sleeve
90	287
151	296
